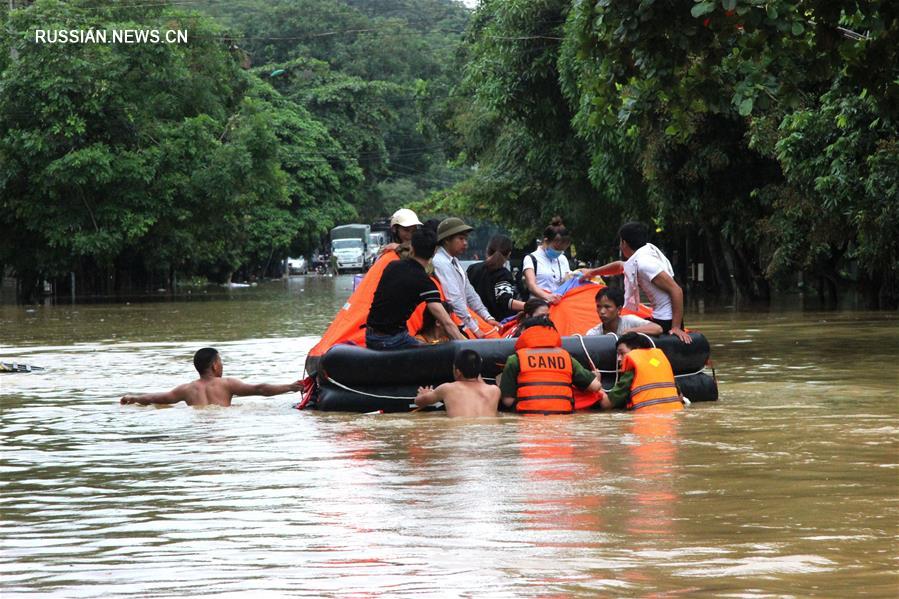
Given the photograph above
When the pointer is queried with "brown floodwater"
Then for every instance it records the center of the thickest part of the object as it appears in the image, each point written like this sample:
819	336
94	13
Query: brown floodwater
786	487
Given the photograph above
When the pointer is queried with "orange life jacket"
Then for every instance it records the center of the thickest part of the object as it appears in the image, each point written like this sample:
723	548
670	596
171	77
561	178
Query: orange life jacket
653	389
544	377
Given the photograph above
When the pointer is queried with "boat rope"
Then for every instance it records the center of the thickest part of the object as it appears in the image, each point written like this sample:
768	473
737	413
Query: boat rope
589	359
593	366
651	340
617	372
700	371
586	353
357	391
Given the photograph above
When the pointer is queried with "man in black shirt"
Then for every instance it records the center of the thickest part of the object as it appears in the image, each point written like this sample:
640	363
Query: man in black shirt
493	281
405	284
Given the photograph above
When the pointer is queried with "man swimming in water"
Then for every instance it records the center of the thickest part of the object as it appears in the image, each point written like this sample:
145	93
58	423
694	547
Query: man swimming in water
468	396
210	388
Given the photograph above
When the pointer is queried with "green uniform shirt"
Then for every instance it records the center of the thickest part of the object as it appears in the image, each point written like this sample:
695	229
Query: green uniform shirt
580	376
620	393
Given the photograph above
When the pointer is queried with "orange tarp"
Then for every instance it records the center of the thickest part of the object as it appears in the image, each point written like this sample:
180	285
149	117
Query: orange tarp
584	400
415	321
349	323
576	313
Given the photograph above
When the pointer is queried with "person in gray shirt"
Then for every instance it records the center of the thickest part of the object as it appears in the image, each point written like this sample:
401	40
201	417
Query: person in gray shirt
452	235
608	305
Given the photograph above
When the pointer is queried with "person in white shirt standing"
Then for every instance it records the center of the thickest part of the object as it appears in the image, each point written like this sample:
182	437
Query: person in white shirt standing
545	269
646	268
452	235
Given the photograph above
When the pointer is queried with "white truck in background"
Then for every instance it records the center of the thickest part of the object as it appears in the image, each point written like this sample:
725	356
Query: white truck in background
350	245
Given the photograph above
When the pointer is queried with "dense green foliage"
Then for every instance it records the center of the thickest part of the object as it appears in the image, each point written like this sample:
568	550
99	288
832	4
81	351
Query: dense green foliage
372	71
760	136
131	164
766	129
518	131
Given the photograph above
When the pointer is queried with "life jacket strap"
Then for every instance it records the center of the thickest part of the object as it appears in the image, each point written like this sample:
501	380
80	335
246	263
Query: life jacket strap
652	402
648	386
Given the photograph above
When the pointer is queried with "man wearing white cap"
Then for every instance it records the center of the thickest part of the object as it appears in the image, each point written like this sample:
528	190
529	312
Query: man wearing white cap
452	235
403	224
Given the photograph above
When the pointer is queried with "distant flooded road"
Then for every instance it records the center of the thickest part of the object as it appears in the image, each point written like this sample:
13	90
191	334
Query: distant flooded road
788	486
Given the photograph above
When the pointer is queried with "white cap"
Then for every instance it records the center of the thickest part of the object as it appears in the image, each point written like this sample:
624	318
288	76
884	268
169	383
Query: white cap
405	218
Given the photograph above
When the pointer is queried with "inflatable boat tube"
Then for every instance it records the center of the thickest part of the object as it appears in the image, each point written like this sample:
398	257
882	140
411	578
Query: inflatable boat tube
697	387
351	378
433	364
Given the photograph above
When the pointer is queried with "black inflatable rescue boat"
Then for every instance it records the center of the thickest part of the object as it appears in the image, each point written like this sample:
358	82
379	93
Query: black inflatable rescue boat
350	378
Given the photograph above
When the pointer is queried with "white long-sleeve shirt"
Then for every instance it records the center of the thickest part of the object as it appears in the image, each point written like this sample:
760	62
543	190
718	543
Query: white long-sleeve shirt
458	291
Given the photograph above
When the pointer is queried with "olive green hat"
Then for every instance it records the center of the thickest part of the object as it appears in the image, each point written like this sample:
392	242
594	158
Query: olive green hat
451	226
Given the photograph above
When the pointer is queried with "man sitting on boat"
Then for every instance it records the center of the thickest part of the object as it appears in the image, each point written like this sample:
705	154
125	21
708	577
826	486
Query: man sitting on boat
469	396
403	223
403	286
646	382
493	282
608	306
452	235
537	378
646	268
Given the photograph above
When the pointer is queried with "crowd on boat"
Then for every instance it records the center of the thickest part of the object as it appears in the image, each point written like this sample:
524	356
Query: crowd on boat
540	376
489	290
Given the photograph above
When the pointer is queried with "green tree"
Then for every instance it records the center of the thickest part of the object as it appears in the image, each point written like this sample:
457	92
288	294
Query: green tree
117	160
362	68
708	118
517	134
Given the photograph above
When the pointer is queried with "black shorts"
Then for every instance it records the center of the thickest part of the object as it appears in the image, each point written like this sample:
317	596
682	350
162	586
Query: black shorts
665	324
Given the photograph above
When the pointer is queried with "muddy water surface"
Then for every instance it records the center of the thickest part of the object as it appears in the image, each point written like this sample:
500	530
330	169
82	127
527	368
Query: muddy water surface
788	486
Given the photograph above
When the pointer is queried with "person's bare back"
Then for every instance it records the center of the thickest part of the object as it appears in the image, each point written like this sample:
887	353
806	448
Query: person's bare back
469	396
213	392
210	389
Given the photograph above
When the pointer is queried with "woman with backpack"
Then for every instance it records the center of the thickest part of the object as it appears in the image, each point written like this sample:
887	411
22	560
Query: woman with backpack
545	269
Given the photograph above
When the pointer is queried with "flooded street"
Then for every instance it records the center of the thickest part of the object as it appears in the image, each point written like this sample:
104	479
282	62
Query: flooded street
786	487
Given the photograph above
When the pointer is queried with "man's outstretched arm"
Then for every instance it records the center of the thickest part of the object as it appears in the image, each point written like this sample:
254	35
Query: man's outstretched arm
242	389
610	269
428	396
177	394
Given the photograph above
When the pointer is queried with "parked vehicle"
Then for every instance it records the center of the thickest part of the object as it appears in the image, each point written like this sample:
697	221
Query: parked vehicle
297	266
378	240
349	244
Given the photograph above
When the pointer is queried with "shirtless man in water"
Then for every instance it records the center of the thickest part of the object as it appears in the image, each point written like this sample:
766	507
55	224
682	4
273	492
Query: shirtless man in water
468	396
210	388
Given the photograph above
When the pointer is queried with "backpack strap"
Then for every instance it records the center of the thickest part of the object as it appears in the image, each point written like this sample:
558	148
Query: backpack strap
533	261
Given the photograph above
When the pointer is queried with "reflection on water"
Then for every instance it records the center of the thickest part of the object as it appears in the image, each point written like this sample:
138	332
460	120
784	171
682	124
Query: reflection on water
786	487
